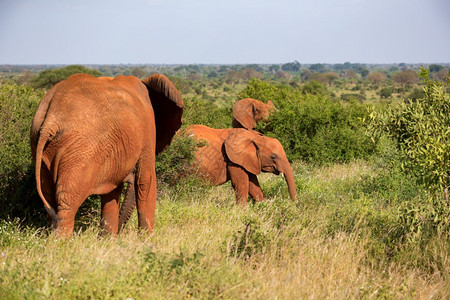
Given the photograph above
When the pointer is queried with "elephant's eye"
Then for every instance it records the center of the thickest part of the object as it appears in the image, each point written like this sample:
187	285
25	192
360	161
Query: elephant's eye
274	156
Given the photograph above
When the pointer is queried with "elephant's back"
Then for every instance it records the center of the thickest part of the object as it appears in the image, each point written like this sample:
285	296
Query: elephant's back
209	157
84	102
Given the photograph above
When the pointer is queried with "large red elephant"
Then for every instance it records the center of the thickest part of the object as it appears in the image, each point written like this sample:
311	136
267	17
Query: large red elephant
90	135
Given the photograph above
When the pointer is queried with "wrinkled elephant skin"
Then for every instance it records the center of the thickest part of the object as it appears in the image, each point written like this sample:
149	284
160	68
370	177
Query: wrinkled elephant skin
89	135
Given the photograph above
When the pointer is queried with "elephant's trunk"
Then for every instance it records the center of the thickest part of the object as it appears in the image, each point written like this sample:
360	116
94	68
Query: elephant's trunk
289	177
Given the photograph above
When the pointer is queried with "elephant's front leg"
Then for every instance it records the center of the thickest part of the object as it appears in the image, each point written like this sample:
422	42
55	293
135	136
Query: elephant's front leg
240	181
110	210
254	188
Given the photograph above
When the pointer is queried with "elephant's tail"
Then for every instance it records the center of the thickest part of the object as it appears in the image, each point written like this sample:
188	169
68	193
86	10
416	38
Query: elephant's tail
43	138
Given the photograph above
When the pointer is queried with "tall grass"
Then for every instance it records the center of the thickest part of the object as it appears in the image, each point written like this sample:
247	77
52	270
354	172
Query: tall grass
337	241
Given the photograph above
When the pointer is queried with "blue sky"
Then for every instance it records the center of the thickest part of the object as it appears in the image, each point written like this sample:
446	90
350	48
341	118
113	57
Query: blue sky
224	32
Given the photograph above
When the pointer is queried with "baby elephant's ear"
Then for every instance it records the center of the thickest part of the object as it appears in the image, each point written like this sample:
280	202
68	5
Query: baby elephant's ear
243	114
241	150
168	107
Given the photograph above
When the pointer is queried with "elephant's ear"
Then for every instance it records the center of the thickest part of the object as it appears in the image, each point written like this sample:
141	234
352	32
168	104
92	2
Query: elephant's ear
271	105
168	107
242	150
243	114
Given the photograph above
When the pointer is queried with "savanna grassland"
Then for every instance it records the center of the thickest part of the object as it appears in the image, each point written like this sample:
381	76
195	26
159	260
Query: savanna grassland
371	220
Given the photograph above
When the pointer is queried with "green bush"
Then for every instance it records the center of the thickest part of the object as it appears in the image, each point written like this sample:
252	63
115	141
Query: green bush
264	91
352	96
313	127
386	92
48	78
314	87
417	93
177	159
207	113
17	186
422	132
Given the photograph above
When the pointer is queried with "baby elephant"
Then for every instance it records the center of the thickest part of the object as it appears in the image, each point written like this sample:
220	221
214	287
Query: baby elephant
239	155
248	112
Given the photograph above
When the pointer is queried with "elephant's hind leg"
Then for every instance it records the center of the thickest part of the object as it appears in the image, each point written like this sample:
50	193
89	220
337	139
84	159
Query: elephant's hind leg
146	203
68	204
110	210
71	191
145	188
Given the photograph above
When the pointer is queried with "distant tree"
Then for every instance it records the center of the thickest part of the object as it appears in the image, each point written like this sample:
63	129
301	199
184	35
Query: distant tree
364	72
25	77
180	70
283	75
386	92
435	68
194	76
274	68
376	77
213	74
417	93
350	74
223	69
320	68
48	78
138	72
255	67
361	69
314	87
182	84
193	68
442	75
331	77
291	67
249	73
394	69
320	77
406	77
233	76
339	67
305	74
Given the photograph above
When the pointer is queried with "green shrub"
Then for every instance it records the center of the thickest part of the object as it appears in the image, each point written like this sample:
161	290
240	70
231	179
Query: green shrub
264	91
17	185
177	159
417	93
48	78
422	132
386	92
207	113
314	87
349	97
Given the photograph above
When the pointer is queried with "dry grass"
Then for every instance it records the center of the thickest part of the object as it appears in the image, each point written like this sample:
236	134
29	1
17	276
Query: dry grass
286	252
